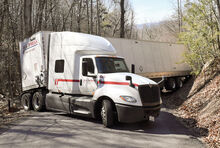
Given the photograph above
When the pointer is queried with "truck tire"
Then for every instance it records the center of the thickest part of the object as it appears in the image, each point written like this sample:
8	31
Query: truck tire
170	84
179	82
38	101
26	101
107	113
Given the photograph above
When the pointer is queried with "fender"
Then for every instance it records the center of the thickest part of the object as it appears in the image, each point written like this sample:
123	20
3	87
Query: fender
115	92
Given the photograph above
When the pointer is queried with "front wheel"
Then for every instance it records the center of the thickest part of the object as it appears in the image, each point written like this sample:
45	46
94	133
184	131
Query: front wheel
107	113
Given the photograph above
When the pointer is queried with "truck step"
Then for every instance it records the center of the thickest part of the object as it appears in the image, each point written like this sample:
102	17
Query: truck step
82	112
84	99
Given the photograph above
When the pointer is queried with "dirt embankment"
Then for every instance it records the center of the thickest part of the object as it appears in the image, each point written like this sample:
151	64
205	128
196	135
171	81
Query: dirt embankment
197	104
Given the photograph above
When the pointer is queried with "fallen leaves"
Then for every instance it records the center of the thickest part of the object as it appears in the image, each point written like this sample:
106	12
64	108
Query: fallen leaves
200	107
6	116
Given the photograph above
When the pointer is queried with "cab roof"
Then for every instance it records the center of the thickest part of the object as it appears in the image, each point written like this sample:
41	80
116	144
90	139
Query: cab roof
84	42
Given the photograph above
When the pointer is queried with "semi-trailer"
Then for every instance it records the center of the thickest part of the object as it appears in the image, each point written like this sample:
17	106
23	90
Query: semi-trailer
155	60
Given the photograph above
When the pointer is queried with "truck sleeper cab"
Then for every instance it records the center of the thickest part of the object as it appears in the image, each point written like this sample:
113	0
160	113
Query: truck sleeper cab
83	76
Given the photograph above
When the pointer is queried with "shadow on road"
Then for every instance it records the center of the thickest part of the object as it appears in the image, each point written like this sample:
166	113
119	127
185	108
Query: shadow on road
41	125
166	123
53	129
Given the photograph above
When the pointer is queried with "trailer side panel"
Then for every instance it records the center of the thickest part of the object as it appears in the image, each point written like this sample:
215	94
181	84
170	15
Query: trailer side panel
33	55
152	59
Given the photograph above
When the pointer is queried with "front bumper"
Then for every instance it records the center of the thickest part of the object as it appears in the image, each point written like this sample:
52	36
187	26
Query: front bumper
129	114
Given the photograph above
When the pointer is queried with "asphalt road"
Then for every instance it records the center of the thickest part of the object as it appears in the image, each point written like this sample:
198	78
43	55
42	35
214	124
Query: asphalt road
51	129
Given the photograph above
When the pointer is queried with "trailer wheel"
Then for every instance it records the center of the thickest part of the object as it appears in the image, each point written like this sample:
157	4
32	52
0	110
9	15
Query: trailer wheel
170	84
26	101
107	113
179	82
38	101
147	119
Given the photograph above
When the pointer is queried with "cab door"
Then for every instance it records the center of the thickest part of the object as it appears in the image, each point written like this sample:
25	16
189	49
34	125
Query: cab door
88	83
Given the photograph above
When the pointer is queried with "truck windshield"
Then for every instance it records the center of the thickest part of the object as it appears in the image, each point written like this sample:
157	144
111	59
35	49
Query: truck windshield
111	65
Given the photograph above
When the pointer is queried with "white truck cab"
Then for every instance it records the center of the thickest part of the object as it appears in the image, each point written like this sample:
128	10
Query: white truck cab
81	74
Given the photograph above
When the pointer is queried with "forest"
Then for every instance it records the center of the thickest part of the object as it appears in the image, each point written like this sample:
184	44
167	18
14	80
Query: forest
196	23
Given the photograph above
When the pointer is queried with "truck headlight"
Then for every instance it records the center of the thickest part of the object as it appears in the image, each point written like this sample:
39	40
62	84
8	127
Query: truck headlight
128	99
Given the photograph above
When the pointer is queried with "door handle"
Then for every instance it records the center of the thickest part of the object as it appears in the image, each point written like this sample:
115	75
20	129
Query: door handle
80	82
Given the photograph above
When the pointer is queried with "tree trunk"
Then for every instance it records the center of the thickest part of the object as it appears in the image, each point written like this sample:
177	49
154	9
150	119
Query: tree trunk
122	28
8	58
179	14
40	17
65	18
132	24
218	7
98	18
91	17
79	16
3	13
27	17
87	13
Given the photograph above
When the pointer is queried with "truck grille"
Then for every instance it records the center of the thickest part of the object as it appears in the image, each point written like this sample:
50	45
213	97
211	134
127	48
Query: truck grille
149	93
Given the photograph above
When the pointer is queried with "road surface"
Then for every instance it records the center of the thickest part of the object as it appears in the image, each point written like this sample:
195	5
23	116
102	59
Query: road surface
52	129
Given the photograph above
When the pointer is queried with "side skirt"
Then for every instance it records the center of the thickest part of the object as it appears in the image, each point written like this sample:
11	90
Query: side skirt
72	104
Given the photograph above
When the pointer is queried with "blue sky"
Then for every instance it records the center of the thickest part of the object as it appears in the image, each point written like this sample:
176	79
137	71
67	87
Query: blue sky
151	11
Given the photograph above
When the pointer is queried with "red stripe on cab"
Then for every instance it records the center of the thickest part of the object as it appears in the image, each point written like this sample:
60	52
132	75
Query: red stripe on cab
102	82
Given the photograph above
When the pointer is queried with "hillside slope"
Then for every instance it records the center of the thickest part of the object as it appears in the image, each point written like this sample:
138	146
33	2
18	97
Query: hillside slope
197	104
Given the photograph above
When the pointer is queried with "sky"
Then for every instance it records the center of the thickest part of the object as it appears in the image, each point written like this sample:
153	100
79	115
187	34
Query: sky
152	11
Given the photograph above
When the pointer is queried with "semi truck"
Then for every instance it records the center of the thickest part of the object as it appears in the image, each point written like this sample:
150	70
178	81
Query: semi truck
81	74
155	60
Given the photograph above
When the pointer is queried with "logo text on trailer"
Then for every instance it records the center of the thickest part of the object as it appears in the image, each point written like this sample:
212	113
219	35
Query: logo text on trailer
32	44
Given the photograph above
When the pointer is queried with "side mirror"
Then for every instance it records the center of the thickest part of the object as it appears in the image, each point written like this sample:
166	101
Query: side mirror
132	68
129	78
84	68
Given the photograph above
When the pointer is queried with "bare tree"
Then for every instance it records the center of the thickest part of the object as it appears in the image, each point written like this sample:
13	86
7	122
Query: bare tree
87	13
98	18
218	7
218	28
91	16
28	17
19	19
3	13
179	9
66	16
40	14
122	29
79	14
132	23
